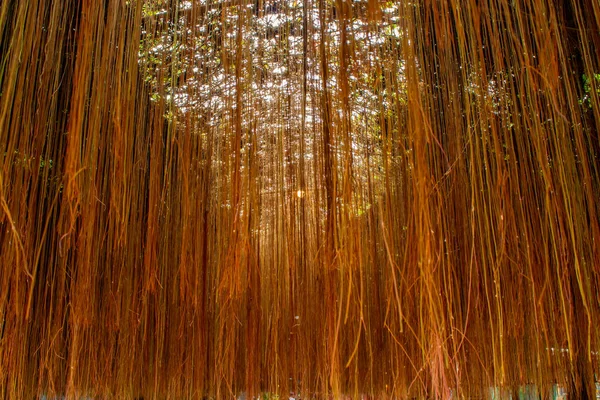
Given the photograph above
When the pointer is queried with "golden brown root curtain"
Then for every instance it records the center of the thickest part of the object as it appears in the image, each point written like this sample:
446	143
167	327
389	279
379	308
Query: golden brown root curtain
325	197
